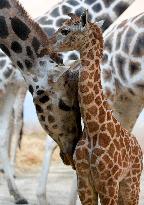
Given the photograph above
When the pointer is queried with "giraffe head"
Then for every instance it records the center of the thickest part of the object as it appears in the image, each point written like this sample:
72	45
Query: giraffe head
26	44
73	33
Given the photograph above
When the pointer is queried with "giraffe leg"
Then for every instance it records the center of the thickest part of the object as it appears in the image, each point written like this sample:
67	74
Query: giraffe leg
73	194
5	132
41	189
19	199
129	191
109	193
87	194
7	141
130	186
18	123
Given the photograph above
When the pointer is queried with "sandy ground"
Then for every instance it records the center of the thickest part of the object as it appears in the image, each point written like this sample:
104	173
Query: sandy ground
58	186
28	168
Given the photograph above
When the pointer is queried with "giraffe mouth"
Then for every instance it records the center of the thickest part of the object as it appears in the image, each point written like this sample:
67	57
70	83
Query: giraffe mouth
67	159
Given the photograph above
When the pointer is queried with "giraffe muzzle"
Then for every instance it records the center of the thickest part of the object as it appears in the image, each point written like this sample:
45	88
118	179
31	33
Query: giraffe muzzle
67	159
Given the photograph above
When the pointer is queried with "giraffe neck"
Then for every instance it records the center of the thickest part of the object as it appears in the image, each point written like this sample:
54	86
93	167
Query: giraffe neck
25	43
92	102
21	38
17	35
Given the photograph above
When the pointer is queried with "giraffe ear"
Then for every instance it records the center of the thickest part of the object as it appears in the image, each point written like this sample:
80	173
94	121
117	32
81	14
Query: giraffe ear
84	18
100	23
55	73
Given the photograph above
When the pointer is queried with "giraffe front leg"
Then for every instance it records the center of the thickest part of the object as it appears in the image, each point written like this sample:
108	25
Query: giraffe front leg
19	199
87	194
5	133
41	190
108	193
73	194
18	124
130	190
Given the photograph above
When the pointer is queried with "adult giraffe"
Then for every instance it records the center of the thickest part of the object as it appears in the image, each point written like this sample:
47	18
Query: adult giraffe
26	44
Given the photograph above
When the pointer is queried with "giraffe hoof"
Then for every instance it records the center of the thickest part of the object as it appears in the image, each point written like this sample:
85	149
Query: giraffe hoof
21	201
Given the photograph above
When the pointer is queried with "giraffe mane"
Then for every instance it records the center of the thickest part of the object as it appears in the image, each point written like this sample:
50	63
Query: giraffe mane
43	36
98	35
34	25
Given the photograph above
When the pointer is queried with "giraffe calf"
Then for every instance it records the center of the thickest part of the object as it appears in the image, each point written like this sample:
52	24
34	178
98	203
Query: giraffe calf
108	159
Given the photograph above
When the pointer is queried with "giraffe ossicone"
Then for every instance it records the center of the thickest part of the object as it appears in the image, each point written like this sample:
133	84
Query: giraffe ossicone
108	159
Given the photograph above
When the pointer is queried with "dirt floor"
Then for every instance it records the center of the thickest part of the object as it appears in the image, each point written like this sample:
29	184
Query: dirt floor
28	168
27	172
58	188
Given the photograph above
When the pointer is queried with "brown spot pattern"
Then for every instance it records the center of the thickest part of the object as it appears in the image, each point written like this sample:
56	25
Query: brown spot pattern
92	67
111	150
51	119
104	140
88	98
93	42
88	116
93	110
98	100
101	166
93	126
97	151
85	62
90	54
111	129
84	75
101	111
83	89
106	158
82	153
90	84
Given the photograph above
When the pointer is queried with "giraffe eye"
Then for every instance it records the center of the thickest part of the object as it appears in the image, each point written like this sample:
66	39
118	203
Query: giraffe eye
65	32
